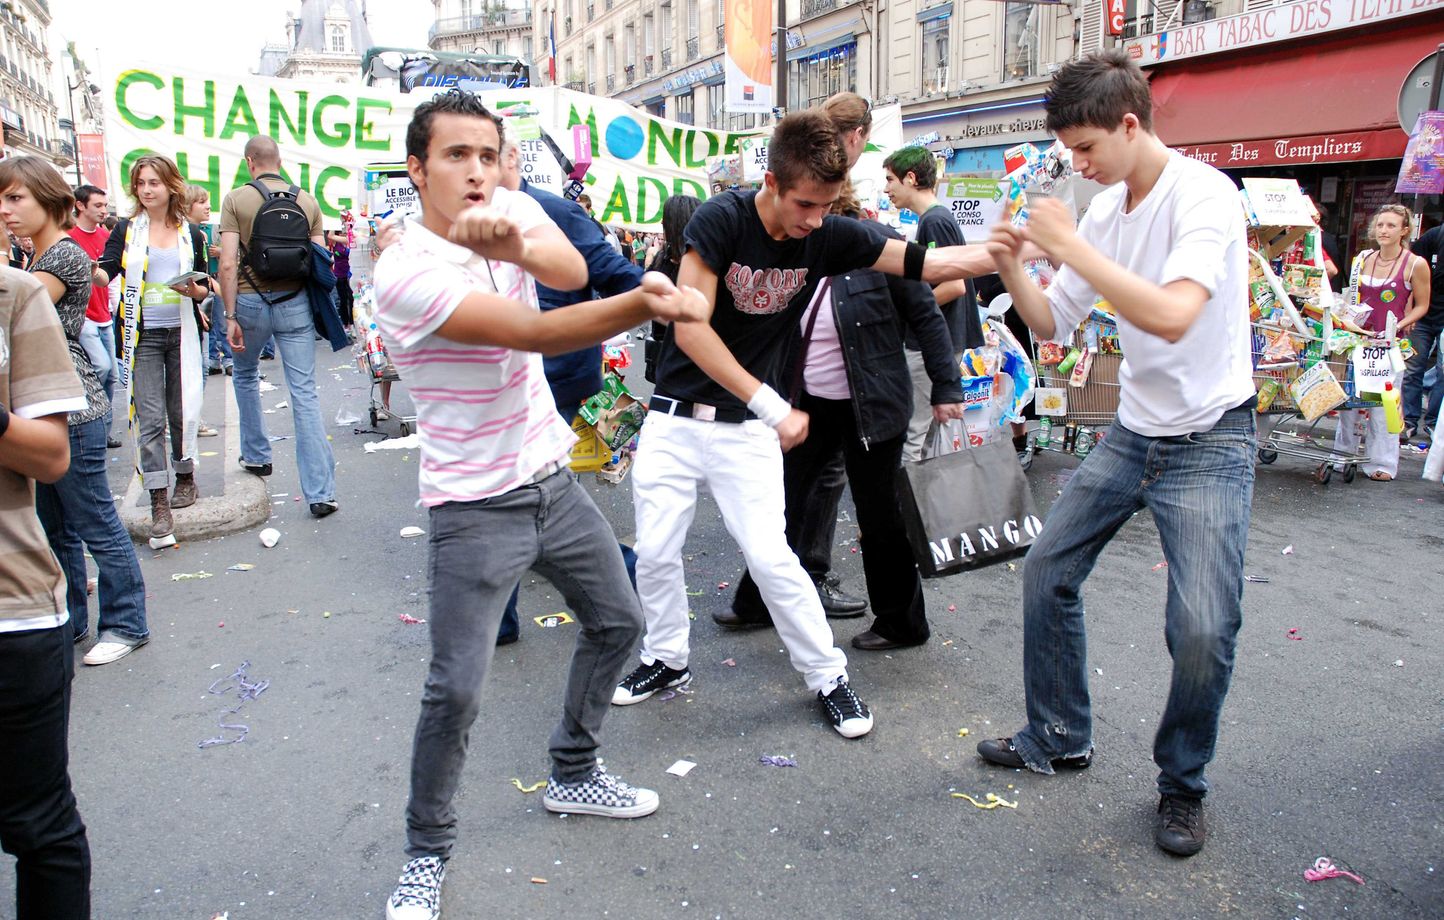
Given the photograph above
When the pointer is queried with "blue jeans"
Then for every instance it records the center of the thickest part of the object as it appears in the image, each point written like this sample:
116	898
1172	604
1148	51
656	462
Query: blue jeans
99	344
1198	487
510	621
1428	353
77	512
220	350
295	334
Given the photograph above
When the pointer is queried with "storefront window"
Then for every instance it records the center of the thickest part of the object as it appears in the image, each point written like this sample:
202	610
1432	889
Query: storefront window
1021	40
682	108
715	96
812	79
934	56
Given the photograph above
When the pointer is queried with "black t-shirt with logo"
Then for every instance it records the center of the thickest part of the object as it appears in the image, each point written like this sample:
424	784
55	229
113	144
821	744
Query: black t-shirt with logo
763	286
938	227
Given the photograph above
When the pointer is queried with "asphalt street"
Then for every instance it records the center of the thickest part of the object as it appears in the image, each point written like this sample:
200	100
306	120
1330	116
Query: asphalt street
1332	740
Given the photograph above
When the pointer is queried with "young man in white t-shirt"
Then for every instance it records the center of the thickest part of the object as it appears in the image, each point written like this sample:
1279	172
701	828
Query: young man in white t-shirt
1165	246
457	306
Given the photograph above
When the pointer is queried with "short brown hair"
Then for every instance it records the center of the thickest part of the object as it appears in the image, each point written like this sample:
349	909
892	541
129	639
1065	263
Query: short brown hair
848	112
44	184
1097	91
195	193
170	177
805	145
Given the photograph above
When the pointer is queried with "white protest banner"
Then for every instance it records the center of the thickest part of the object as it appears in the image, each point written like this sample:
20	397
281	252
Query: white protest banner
1376	365
1278	202
976	204
330	134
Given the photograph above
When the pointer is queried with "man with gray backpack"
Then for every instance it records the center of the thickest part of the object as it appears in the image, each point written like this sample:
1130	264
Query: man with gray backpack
267	227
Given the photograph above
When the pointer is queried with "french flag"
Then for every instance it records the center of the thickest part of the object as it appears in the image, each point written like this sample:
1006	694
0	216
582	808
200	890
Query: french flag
552	42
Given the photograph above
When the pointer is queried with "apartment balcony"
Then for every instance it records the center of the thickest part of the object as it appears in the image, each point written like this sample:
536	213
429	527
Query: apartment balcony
812	8
630	73
666	58
647	66
591	11
694	48
611	83
1143	25
487	21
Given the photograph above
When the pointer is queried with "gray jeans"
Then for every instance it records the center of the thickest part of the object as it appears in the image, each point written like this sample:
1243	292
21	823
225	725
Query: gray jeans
157	384
478	552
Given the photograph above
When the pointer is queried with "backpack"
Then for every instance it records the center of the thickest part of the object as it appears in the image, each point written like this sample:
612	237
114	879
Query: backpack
279	249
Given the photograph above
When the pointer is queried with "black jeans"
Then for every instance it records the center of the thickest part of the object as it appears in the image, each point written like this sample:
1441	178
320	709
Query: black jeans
39	823
345	300
894	588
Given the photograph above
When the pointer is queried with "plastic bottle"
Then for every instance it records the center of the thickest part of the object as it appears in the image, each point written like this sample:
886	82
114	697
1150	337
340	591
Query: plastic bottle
1393	408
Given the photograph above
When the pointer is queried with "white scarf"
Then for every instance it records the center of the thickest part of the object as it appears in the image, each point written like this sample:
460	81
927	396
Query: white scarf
137	253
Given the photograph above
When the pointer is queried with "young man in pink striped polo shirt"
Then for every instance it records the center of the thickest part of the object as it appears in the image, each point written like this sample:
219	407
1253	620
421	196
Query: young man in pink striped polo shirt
458	309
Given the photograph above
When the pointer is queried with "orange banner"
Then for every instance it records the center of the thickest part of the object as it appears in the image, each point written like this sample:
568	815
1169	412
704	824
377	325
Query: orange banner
748	58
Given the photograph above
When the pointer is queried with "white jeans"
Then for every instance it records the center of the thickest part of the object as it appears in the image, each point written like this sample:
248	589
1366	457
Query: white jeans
742	466
1369	427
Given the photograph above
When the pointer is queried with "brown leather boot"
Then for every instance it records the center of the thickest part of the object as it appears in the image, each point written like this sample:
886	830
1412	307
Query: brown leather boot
161	523
185	491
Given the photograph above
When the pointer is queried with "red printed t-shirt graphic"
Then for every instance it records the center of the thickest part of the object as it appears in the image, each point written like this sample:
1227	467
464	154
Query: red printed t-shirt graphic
760	292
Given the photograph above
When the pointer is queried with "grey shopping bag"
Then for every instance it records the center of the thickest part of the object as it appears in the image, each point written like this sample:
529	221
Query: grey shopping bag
967	509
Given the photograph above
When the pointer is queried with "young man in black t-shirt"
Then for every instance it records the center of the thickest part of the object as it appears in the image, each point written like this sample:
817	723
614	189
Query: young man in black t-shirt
756	258
912	178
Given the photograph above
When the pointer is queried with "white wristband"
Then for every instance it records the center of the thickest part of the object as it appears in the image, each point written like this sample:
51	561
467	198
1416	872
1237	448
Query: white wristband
769	407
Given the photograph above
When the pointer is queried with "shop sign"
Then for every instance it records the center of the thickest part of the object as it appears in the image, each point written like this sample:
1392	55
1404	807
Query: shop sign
1117	13
696	75
1276	24
1010	125
1293	151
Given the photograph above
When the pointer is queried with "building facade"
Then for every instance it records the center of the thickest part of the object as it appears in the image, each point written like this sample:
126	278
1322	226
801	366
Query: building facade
324	42
28	106
499	27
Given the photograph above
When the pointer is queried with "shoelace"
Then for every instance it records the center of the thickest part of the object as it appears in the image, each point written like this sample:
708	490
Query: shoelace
849	707
1181	813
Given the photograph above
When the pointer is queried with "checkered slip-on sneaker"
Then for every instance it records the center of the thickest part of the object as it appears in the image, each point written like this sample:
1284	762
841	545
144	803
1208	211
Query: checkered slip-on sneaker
600	794
418	894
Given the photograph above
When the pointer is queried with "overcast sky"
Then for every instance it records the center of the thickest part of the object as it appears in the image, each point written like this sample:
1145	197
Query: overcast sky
226	36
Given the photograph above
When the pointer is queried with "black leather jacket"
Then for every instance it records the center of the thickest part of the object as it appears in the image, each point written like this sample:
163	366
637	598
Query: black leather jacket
869	309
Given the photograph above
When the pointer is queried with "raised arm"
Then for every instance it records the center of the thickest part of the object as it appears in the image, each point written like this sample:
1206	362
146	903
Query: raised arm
543	252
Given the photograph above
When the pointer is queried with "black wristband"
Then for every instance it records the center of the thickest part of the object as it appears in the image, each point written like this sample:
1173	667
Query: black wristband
913	258
4	420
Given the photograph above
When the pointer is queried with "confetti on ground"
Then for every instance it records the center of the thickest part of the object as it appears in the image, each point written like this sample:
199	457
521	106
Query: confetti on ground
730	662
408	619
282	405
721	586
990	801
1293	634
963	733
537	880
952	608
1287	550
1399	663
528	789
1012	567
325	614
209	453
1256	579
681	768
412	531
1161	565
694	593
776	760
241	567
666	696
553	620
246	689
190	576
1324	868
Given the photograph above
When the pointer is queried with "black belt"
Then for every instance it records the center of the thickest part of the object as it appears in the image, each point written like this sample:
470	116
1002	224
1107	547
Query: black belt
699	411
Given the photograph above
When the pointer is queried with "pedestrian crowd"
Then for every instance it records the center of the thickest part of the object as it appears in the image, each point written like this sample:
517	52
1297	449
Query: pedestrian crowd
795	348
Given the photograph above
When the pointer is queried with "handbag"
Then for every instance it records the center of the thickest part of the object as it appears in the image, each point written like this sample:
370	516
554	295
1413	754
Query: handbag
966	509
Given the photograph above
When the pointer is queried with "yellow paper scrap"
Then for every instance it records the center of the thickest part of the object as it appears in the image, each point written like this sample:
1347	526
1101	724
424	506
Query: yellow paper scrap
962	733
991	801
528	789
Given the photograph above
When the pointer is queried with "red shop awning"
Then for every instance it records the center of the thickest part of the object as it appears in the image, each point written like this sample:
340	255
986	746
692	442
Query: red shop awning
1311	102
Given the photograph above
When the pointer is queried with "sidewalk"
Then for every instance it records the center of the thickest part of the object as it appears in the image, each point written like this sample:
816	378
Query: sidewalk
231	499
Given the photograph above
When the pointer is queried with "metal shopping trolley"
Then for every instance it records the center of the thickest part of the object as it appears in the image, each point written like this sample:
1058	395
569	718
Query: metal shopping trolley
1075	406
369	352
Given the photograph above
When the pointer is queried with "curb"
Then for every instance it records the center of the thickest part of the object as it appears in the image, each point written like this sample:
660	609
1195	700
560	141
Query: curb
245	503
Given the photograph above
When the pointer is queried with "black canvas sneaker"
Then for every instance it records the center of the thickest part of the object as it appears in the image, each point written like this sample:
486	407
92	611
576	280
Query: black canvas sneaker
647	680
846	711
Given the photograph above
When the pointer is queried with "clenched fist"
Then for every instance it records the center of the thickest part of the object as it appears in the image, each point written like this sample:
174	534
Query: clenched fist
490	234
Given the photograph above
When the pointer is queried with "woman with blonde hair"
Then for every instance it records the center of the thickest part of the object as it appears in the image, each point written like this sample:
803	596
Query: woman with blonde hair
159	258
1394	282
76	510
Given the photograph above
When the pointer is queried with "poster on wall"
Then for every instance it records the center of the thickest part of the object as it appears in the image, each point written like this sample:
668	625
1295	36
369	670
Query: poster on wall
1422	172
976	204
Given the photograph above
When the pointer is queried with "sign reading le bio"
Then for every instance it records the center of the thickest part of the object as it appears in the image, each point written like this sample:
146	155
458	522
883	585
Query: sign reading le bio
329	133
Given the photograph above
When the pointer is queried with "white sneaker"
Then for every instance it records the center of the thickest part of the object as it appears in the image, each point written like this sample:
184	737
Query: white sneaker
105	651
418	894
600	794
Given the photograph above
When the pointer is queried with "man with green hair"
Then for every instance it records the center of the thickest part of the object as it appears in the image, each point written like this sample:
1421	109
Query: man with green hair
912	177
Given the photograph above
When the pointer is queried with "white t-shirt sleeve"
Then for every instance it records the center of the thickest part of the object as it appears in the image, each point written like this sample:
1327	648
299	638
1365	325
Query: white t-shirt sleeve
414	297
1203	221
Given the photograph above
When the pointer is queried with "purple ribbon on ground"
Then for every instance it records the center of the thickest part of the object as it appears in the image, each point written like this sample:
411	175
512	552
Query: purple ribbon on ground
777	760
246	689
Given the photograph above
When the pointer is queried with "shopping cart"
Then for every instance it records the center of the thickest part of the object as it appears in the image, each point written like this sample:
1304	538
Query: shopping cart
369	352
1283	430
1074	410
